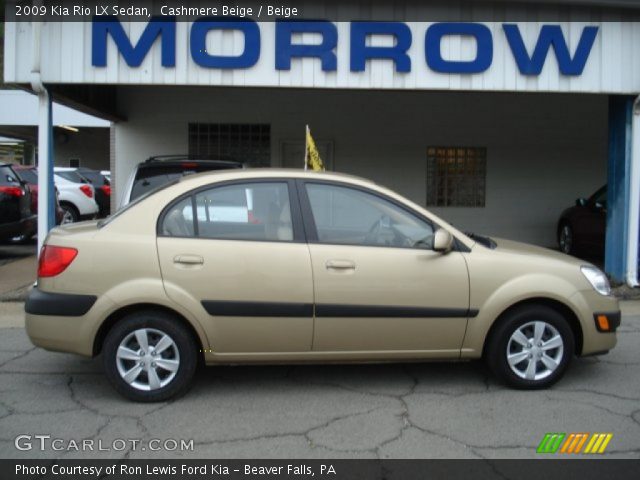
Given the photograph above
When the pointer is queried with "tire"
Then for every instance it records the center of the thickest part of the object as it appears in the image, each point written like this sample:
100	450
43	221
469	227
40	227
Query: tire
566	239
178	356
70	215
531	363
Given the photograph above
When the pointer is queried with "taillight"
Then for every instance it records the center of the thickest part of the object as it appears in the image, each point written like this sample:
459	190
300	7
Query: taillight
189	165
12	191
86	189
106	189
54	260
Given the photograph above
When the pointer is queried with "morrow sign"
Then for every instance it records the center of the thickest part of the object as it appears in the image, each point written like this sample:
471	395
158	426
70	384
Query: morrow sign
530	61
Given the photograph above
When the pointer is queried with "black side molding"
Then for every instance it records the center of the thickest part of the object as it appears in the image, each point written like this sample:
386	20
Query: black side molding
374	311
257	309
280	309
58	304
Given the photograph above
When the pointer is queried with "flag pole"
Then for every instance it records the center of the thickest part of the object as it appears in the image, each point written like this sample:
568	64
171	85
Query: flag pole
306	147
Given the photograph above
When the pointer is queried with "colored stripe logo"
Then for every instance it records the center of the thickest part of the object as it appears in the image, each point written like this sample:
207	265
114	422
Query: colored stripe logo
573	443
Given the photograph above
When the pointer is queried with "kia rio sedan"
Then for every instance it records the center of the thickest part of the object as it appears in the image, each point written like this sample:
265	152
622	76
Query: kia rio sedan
291	266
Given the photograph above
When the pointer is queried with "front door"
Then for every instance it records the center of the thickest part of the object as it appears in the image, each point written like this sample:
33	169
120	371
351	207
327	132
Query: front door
236	254
379	286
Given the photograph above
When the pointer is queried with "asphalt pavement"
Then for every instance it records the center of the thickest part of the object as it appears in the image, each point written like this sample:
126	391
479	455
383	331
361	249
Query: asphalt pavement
420	410
413	410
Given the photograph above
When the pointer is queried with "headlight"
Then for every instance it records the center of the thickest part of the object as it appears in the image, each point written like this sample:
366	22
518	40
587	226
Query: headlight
597	279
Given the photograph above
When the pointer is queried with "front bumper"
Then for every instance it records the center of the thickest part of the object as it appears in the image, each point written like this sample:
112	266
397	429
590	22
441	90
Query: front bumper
590	304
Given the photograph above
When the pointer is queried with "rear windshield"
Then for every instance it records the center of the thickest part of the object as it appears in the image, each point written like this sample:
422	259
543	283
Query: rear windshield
95	177
72	177
28	175
148	194
150	177
8	176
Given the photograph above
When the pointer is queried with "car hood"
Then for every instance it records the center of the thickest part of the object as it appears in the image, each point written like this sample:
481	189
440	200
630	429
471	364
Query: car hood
519	248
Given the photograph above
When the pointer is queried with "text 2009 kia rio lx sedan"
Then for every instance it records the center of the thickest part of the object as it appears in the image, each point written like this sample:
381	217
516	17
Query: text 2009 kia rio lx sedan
294	266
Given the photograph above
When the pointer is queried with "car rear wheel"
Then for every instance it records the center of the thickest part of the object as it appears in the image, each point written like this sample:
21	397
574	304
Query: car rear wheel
149	356
565	239
531	347
70	214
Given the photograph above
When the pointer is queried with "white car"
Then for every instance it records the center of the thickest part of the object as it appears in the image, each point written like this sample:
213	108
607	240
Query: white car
77	197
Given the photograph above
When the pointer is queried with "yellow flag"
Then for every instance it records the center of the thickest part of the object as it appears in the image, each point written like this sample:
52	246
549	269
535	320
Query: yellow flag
312	158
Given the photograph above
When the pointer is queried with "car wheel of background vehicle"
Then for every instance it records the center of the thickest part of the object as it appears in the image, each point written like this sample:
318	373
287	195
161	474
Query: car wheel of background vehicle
70	215
149	356
531	347
565	239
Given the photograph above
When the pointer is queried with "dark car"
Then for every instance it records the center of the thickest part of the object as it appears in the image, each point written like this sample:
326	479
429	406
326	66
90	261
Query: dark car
16	217
29	174
160	170
102	187
581	228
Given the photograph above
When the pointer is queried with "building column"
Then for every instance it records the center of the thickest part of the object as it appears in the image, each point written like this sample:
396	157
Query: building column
619	221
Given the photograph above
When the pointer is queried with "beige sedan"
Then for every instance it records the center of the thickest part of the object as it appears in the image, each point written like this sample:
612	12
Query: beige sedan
292	266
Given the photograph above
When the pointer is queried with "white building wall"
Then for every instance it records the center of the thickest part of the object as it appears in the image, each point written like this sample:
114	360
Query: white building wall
543	151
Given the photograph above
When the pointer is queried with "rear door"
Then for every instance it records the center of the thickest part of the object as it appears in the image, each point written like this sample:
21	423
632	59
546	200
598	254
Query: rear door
237	251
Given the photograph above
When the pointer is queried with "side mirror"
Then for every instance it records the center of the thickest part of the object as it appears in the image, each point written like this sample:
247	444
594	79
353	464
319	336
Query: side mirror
581	202
442	241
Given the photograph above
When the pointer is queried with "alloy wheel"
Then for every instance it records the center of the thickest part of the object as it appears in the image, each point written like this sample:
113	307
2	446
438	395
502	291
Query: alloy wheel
534	350
147	359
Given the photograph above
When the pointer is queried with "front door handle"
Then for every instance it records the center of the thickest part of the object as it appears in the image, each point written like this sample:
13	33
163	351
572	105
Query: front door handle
340	265
188	259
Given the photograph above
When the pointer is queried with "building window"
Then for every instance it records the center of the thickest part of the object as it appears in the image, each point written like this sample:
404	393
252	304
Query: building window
246	143
456	176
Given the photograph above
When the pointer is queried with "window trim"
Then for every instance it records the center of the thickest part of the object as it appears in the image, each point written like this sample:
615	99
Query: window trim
311	231
296	214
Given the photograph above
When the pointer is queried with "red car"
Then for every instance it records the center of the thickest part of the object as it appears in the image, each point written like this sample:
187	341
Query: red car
29	174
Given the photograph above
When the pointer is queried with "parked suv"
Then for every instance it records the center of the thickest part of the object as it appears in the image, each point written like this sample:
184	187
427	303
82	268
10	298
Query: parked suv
77	196
16	217
159	170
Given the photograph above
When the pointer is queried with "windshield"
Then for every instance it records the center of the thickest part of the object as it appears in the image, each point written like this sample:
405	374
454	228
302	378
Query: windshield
72	176
148	194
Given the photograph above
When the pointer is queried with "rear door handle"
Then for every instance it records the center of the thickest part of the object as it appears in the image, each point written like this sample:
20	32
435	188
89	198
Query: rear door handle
188	259
340	265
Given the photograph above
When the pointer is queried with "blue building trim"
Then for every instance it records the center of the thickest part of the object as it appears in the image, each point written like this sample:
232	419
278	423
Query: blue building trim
619	166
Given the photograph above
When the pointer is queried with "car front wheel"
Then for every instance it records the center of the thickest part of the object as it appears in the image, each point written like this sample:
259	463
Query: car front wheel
149	356
531	347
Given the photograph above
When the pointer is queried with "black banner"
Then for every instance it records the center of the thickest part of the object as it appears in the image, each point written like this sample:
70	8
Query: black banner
547	469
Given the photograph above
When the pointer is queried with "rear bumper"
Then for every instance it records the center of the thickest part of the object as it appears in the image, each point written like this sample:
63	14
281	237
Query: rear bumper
60	321
59	304
26	226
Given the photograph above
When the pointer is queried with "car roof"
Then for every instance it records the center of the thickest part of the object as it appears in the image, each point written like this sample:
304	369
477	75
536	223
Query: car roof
255	173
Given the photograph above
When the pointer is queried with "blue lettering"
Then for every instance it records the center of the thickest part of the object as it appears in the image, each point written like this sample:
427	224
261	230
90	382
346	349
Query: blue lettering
248	58
484	50
360	52
285	50
157	27
550	36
